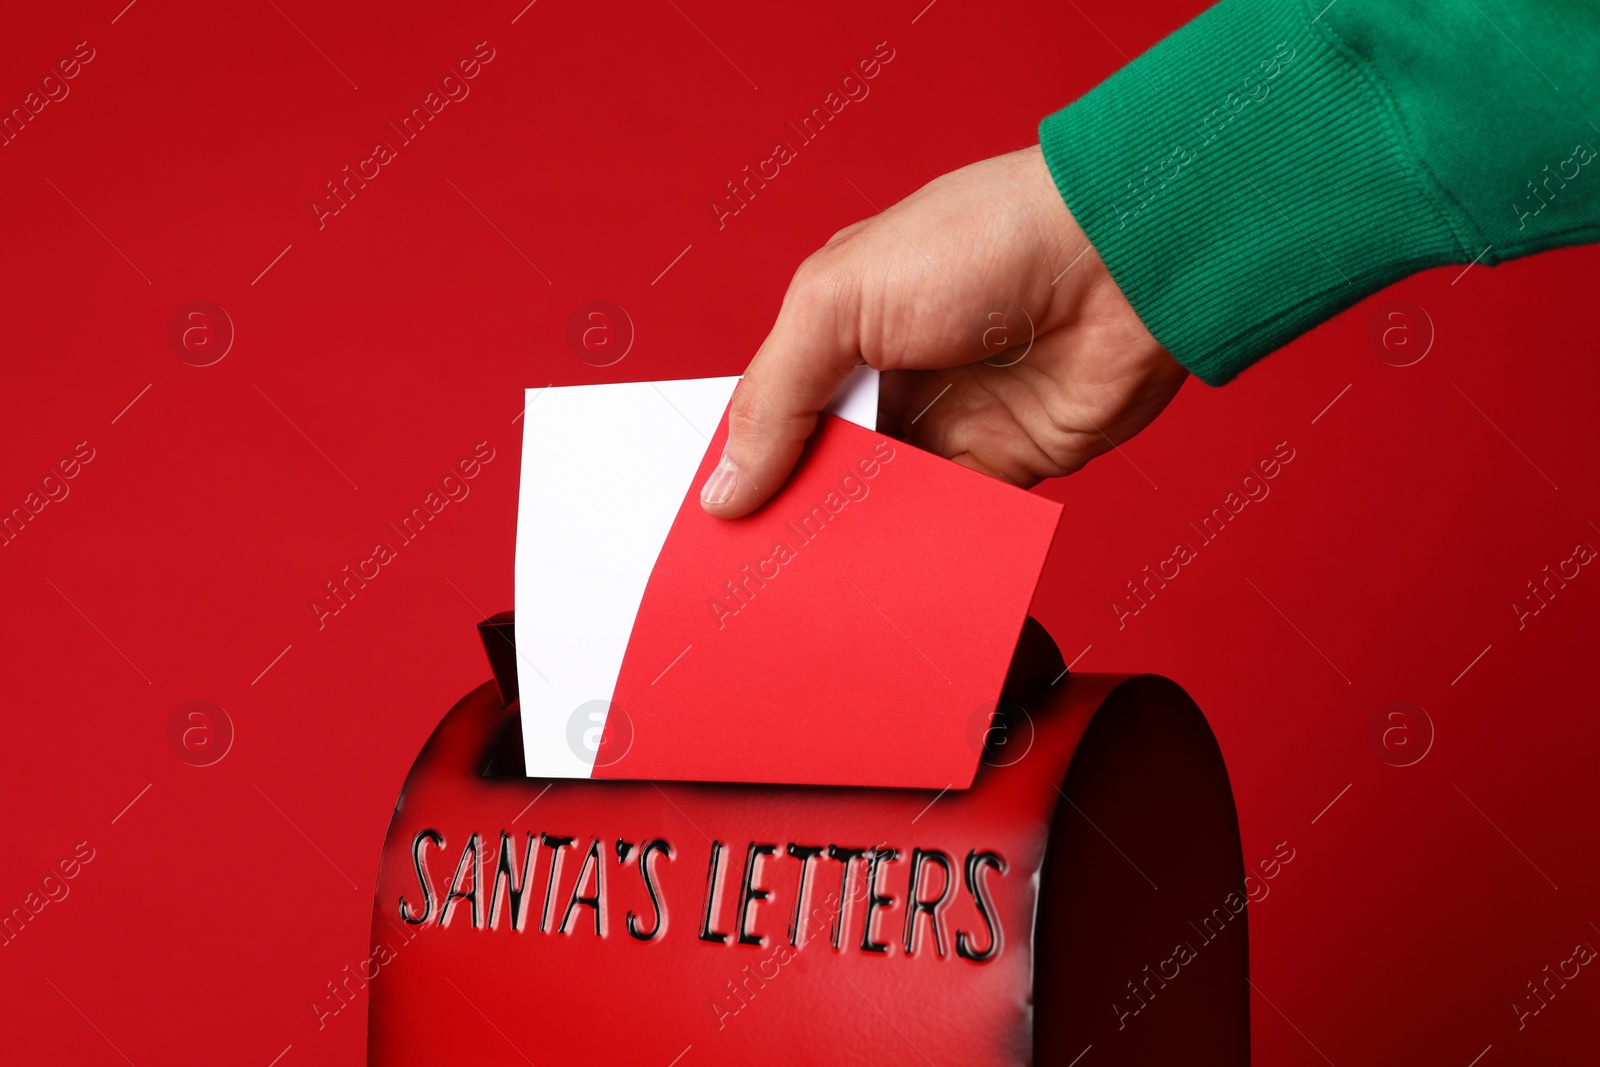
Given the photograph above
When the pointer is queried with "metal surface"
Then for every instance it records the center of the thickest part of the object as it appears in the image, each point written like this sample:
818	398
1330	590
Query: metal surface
1078	900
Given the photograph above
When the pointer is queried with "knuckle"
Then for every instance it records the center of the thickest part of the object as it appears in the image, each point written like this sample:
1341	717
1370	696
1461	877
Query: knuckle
1071	433
826	269
746	413
819	284
843	236
816	274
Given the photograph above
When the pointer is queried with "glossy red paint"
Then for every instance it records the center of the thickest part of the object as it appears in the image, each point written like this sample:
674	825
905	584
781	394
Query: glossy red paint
1390	563
636	922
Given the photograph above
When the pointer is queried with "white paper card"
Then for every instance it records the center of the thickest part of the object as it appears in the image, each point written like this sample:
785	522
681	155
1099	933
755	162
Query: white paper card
605	469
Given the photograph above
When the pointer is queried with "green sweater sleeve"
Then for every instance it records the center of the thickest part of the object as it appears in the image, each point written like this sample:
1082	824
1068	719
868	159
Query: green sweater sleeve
1274	161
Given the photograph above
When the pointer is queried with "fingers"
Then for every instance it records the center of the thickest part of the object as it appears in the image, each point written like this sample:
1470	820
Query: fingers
970	416
950	413
811	350
905	292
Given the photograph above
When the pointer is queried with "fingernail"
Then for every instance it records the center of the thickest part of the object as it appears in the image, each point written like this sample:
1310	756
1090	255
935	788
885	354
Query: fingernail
719	487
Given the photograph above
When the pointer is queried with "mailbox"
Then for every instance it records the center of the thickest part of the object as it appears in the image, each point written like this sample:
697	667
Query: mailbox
1081	903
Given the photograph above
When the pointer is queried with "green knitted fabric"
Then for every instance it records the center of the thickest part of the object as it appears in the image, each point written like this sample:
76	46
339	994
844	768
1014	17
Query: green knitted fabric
1270	164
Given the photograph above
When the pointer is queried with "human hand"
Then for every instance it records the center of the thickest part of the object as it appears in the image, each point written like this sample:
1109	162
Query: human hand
909	292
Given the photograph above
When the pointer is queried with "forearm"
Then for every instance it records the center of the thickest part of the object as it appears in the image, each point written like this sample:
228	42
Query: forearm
1270	164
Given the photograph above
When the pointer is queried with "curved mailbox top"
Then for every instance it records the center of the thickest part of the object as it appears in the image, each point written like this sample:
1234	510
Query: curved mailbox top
595	921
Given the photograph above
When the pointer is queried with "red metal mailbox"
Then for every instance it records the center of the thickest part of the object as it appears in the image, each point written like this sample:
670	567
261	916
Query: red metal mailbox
1081	903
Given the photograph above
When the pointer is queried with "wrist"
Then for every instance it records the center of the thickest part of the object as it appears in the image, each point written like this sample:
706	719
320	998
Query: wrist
1176	169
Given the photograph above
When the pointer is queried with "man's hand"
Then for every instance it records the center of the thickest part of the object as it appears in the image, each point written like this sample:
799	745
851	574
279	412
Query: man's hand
921	292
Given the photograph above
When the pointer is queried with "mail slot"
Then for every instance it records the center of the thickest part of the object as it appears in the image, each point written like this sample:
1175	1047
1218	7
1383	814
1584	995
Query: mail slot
1081	903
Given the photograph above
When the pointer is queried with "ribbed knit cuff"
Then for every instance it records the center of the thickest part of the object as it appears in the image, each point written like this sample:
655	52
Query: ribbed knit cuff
1245	180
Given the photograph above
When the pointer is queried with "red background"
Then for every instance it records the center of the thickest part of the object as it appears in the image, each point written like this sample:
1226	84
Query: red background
379	350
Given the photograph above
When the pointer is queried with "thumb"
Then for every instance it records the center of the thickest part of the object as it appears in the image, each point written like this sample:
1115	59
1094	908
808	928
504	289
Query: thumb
805	359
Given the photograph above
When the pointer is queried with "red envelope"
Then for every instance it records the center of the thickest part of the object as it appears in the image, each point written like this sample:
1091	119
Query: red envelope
854	631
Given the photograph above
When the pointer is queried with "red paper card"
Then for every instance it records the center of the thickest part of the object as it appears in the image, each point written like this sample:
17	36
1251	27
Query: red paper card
854	631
